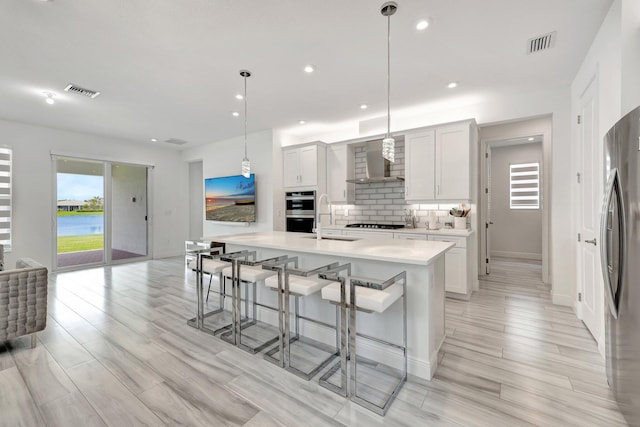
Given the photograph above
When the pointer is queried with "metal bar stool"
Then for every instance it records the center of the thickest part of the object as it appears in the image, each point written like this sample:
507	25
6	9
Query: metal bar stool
246	269
299	283
371	296
208	262
212	265
339	275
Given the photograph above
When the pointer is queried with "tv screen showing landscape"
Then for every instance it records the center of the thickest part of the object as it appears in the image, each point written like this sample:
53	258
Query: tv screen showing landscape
230	198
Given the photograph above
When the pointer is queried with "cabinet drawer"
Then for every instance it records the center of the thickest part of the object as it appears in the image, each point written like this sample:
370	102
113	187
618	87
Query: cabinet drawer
461	242
368	234
410	236
331	232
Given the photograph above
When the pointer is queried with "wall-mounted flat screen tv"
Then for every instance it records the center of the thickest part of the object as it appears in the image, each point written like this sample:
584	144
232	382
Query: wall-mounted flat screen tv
230	198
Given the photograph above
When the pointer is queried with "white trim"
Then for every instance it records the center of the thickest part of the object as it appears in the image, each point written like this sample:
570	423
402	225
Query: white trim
83	156
520	255
565	300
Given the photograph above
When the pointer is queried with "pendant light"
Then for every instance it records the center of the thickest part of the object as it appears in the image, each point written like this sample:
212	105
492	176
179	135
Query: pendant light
246	164
388	143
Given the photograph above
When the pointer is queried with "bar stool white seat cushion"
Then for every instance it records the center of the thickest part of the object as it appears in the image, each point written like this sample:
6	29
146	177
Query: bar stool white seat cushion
210	266
249	273
303	286
366	298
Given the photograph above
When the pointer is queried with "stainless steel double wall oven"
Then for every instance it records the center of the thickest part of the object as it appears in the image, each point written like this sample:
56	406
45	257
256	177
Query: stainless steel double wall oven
301	211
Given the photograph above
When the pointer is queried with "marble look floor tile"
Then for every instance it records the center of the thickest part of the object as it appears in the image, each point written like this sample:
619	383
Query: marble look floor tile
116	405
45	379
262	419
71	410
289	411
17	408
205	392
131	372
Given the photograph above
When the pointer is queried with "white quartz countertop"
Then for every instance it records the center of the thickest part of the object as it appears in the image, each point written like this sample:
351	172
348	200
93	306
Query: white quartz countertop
440	232
420	252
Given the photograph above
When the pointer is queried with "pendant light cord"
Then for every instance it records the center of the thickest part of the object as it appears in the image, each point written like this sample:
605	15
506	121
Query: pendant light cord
245	117
388	76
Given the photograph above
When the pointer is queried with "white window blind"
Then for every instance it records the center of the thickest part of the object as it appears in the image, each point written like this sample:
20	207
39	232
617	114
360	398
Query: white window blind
5	197
524	186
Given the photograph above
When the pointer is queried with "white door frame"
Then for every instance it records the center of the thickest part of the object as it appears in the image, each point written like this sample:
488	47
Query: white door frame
593	319
510	134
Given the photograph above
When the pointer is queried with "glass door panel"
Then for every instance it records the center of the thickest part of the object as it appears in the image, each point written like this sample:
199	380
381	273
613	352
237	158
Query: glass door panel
80	212
128	211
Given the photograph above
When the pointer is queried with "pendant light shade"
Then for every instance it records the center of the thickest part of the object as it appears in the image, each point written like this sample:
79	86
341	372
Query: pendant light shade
246	164
388	143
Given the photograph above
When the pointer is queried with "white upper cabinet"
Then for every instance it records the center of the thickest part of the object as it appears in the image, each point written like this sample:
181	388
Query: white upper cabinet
419	151
304	166
452	163
340	167
439	162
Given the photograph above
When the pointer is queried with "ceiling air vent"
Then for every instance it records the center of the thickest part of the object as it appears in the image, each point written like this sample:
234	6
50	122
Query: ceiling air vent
81	91
546	41
175	141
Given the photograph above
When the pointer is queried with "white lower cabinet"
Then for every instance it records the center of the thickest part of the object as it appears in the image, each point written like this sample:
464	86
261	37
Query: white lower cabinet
410	236
354	233
457	280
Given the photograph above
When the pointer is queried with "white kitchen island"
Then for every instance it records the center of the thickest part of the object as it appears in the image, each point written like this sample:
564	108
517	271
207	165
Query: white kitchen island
378	258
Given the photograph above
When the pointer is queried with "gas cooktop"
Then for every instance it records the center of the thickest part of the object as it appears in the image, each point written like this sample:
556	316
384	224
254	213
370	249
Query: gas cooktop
379	226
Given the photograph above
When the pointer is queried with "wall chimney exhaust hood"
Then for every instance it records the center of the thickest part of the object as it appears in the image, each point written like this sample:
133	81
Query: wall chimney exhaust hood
378	168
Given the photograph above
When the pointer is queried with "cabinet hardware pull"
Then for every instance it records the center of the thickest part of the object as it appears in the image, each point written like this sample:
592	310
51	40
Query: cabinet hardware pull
593	242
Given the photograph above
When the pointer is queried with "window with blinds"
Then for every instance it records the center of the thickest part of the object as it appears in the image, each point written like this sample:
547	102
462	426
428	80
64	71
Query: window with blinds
5	197
524	186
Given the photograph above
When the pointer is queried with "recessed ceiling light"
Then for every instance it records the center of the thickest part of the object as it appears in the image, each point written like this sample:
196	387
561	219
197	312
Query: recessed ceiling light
531	139
235	114
309	69
154	139
363	106
239	96
452	85
301	122
49	98
422	25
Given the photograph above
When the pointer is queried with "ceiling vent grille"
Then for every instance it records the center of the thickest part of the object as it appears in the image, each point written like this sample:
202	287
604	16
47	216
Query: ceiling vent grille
175	141
81	91
544	42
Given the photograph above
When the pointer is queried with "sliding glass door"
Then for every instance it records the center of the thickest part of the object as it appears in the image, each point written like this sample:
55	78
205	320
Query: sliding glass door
101	212
128	211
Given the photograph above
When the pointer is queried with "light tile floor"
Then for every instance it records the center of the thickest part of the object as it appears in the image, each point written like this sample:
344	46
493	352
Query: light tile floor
117	352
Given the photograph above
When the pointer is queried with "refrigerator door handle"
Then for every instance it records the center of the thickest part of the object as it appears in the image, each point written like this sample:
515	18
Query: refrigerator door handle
613	185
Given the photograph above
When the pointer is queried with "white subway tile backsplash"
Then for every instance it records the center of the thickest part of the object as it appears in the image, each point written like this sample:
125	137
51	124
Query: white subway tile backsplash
384	202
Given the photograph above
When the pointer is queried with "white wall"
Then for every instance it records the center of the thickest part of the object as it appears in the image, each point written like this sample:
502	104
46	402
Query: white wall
33	192
515	232
223	158
128	217
630	55
196	200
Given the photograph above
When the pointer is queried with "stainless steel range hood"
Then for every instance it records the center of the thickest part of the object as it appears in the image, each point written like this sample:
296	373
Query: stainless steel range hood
378	168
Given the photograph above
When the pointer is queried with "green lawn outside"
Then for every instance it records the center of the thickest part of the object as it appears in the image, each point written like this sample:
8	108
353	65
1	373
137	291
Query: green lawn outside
76	213
80	243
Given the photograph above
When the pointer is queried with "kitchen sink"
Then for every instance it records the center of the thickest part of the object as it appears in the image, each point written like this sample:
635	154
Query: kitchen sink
338	238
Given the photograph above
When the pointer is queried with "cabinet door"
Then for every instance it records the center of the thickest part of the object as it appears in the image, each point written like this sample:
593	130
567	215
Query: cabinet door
367	234
291	174
452	163
419	166
455	270
409	236
308	165
339	169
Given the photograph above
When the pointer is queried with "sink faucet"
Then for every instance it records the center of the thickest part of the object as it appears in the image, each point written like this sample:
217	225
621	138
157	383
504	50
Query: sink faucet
319	215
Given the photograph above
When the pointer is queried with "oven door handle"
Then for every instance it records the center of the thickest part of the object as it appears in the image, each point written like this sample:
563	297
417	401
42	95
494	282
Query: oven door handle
301	216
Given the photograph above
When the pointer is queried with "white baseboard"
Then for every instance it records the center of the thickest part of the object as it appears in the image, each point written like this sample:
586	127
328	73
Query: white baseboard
560	299
520	255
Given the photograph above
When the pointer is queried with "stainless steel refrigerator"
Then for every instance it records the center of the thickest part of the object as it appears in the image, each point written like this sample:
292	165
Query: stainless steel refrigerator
620	234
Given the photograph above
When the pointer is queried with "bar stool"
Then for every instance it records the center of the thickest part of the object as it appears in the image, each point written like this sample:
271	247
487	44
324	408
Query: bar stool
298	283
246	269
208	262
212	265
370	296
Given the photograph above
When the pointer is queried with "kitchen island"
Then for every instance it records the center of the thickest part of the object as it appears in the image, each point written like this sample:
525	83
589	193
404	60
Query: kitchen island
378	258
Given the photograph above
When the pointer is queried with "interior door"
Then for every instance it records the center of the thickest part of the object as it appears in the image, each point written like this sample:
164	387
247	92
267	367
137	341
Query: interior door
589	285
487	237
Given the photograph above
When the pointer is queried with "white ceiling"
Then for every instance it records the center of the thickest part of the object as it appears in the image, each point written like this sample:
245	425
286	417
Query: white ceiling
169	68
